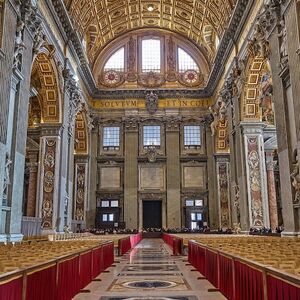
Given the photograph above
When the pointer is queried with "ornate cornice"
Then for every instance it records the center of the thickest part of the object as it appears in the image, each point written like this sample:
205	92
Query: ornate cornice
233	31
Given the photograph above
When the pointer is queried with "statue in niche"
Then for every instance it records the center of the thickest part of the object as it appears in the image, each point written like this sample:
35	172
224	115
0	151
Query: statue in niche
265	97
259	46
152	102
6	182
214	123
295	177
222	109
19	45
239	76
283	45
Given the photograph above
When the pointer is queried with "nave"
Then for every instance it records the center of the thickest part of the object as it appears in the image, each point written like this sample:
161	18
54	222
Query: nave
149	271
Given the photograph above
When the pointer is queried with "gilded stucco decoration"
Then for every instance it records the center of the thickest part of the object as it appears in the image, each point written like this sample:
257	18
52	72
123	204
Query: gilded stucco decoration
256	101
81	143
222	136
44	80
99	21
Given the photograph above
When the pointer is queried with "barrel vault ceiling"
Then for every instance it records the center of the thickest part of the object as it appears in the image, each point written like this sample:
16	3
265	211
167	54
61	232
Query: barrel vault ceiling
100	21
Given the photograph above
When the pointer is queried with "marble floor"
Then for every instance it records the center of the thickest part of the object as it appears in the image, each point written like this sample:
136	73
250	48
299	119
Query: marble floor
149	271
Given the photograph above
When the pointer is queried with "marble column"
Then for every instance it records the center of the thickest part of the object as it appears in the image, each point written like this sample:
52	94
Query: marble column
131	174
173	175
92	179
271	191
32	184
256	174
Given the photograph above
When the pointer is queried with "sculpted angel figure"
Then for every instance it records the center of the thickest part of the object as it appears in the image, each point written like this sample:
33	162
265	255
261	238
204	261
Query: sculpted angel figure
214	123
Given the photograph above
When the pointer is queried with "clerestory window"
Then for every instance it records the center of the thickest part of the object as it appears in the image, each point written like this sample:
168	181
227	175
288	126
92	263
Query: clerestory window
151	55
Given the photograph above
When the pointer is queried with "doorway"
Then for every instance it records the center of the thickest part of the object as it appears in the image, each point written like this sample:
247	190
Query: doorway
152	215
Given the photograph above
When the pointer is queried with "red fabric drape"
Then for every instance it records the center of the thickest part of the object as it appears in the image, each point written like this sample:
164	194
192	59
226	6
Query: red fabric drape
248	282
68	279
174	242
226	277
281	290
200	259
97	261
124	245
42	284
211	267
108	255
135	239
11	290
192	253
85	269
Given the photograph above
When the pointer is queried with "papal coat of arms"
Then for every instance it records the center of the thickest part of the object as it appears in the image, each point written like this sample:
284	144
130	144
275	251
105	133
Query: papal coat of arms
152	102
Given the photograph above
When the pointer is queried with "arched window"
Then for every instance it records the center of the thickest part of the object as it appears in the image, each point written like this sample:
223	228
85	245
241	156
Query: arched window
151	56
116	61
186	62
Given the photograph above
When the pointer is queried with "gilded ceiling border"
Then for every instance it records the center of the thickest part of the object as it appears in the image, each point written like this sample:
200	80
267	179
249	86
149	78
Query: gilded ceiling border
232	33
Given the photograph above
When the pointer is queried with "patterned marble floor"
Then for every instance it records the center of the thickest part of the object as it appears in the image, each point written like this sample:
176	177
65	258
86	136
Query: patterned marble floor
149	272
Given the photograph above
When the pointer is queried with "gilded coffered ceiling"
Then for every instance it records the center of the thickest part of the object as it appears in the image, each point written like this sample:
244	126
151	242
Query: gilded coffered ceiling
100	21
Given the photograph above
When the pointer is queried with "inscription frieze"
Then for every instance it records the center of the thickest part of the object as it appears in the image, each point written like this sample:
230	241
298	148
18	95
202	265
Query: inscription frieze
162	103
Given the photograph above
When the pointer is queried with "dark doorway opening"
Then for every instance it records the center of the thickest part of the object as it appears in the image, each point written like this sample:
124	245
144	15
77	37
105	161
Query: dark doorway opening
152	216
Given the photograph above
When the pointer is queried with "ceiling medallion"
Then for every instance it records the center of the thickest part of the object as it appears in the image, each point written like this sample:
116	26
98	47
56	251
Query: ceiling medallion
111	78
152	102
191	78
150	7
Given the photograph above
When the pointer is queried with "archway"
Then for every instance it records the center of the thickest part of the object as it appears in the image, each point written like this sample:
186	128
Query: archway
41	151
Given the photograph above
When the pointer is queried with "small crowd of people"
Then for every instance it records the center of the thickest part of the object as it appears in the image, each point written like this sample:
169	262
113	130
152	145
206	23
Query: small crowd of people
99	231
266	231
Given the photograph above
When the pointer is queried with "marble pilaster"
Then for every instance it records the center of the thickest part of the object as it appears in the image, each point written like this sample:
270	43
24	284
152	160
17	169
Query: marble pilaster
212	182
131	174
256	174
223	177
173	175
271	191
282	98
80	189
49	171
32	183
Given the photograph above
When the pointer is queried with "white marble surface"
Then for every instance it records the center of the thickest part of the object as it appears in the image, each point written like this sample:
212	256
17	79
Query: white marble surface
150	252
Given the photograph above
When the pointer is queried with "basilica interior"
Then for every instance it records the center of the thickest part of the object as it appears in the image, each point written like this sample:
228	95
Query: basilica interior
176	119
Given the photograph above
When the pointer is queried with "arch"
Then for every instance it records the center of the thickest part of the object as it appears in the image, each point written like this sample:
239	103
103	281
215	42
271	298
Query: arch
81	134
187	20
168	75
44	79
253	106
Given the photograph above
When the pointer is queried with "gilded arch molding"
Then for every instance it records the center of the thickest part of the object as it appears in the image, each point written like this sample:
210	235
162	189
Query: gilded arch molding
101	21
258	79
45	81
